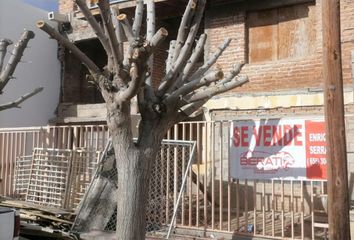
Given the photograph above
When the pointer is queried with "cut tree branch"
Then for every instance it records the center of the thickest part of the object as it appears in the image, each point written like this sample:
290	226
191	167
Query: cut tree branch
138	19
170	57
91	66
198	83
216	89
119	36
137	74
207	65
17	102
198	50
170	78
184	26
122	18
94	24
233	73
15	58
105	11
4	43
190	109
150	31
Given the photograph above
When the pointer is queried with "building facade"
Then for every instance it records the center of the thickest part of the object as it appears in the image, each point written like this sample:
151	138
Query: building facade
280	42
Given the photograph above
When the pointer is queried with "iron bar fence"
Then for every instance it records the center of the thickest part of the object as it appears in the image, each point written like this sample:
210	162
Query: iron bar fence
212	201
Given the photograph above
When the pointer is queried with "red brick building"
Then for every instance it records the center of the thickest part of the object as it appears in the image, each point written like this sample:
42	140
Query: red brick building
280	42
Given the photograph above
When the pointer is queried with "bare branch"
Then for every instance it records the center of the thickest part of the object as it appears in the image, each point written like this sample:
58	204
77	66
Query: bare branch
150	30
17	102
233	73
4	43
190	110
122	18
91	66
170	78
139	12
198	83
216	89
170	57
94	24
118	31
137	74
15	58
158	38
207	65
184	26
192	61
105	11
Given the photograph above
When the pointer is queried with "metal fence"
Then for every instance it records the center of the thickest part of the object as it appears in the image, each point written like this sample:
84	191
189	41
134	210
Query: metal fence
54	177
212	201
16	142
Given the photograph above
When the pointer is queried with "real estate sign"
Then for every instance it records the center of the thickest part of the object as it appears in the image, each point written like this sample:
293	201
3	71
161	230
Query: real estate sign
278	149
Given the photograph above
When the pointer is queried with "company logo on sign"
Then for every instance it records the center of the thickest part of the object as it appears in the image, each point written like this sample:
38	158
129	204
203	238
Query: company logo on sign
278	148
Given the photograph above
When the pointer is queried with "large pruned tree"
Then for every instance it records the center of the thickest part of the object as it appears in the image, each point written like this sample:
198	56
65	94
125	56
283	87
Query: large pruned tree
6	73
128	73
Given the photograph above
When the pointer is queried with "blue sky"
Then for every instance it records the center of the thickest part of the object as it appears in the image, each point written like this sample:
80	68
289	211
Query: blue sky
48	5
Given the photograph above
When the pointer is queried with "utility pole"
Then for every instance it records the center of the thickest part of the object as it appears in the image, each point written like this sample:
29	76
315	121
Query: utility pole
338	197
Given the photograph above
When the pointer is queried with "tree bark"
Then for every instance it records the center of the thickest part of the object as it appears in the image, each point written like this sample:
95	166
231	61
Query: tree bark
134	161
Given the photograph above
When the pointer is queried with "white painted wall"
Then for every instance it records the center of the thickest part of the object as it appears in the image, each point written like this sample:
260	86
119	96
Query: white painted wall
40	67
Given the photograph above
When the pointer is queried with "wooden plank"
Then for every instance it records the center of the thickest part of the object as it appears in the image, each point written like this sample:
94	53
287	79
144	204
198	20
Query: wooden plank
297	31
254	5
262	35
337	171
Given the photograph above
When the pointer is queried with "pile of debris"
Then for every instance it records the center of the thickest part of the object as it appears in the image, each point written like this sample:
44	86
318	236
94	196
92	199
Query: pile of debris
41	222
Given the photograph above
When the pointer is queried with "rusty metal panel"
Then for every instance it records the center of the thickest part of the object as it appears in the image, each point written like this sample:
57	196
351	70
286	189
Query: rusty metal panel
263	35
296	29
281	33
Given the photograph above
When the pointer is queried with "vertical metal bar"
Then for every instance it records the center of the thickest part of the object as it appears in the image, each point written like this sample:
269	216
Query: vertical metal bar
6	163
180	194
255	228
3	163
302	210
228	179
221	177
183	170
312	212
237	204
273	209
168	178
213	177
205	159
11	160
60	137
190	182
175	166
263	208
292	207
198	172
75	137
246	203
282	208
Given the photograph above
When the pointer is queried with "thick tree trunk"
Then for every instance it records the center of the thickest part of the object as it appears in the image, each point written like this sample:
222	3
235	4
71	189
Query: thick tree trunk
133	184
134	162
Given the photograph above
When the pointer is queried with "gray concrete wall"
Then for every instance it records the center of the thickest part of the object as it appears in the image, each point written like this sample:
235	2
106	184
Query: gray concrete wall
40	67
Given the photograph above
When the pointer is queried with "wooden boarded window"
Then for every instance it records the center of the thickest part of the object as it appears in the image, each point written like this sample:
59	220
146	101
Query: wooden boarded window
282	33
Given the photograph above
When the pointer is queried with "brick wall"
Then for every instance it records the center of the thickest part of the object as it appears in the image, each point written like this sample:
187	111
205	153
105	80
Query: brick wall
279	75
66	6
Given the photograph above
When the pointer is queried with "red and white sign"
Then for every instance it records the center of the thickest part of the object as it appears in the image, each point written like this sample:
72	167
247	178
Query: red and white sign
278	149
